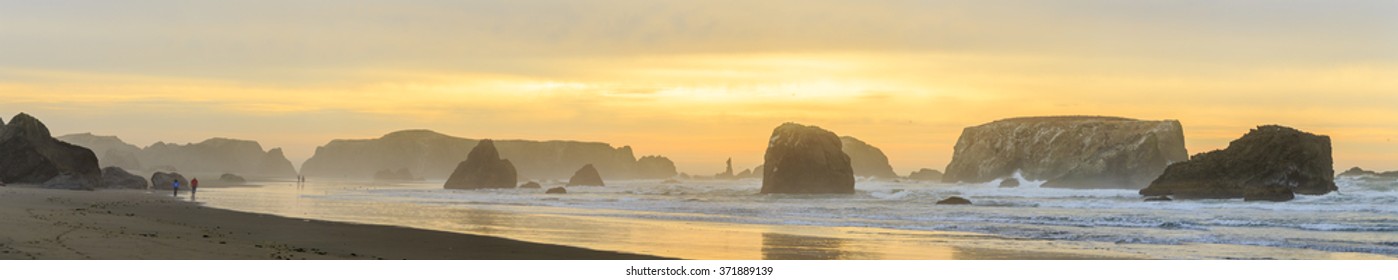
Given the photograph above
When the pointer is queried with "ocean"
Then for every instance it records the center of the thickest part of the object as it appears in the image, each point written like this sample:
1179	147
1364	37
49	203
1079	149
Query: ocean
714	219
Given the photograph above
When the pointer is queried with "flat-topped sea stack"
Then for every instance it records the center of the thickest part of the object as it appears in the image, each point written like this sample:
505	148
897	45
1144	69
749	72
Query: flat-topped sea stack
586	176
483	169
925	174
1356	172
431	155
804	159
1269	163
867	160
655	167
1068	151
30	155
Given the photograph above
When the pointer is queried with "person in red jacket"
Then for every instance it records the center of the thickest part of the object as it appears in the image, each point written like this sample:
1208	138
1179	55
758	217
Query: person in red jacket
193	186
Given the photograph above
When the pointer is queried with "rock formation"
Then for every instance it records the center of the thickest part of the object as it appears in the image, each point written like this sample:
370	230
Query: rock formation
432	155
867	160
1269	163
556	190
586	176
955	200
30	155
116	178
531	185
654	167
1361	173
805	160
212	156
164	181
727	172
232	178
1068	151
926	174
1009	183
483	169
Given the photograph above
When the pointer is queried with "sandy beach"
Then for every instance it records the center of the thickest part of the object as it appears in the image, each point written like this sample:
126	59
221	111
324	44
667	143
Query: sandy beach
59	224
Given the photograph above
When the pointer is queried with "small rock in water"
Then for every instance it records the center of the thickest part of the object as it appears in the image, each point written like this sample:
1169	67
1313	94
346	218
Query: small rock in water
1009	183
1158	198
557	190
955	200
531	185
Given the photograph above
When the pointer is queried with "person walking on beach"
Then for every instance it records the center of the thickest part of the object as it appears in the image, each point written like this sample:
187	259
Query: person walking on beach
176	186
194	186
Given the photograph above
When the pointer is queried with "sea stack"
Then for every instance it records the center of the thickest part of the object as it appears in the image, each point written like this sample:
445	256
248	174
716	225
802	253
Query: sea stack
1068	151
867	160
483	169
806	160
586	176
1269	163
655	167
926	174
30	155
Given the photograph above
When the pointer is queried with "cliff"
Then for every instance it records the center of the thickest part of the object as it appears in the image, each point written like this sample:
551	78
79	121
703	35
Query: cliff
213	156
867	160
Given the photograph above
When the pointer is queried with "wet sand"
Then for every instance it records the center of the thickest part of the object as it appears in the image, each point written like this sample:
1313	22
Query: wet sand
111	224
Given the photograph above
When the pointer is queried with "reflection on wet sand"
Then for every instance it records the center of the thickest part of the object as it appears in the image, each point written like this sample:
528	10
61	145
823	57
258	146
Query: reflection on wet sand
777	246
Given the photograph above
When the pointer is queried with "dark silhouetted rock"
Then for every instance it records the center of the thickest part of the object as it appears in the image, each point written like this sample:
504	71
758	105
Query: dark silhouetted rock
747	173
586	176
531	185
805	160
432	155
955	200
164	181
402	174
1269	163
655	167
232	178
1068	152
30	155
926	174
1158	198
110	150
727	172
867	160
1009	183
556	190
116	178
483	169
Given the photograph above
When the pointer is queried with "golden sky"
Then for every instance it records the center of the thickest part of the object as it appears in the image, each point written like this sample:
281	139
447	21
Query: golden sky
700	81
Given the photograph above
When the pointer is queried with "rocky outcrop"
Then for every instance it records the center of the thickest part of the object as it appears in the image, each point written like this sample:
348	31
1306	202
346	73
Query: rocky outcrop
586	176
955	200
1068	152
805	160
165	181
30	155
867	160
432	155
483	169
531	185
116	178
1269	163
232	178
727	171
556	190
402	174
926	174
212	156
655	167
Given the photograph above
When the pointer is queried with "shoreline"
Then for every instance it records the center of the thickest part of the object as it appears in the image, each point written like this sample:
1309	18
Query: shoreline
131	224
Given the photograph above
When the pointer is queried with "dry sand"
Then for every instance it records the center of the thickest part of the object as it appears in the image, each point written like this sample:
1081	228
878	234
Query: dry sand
111	224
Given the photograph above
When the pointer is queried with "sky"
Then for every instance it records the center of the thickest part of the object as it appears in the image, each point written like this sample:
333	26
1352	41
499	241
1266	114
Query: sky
700	81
